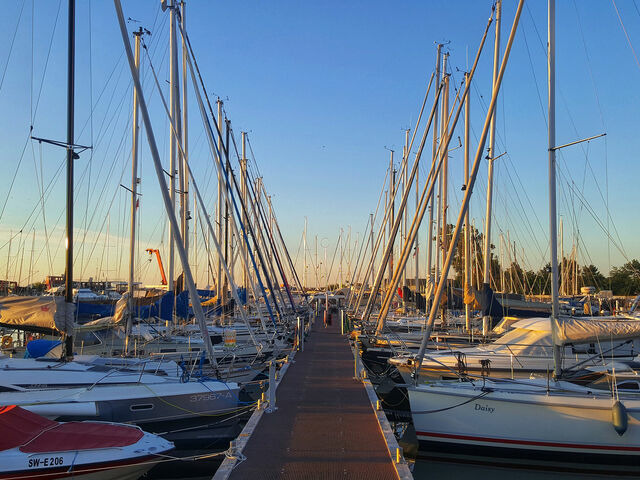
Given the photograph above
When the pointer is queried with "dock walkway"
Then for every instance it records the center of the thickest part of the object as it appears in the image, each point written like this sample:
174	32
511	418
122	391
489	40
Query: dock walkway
324	427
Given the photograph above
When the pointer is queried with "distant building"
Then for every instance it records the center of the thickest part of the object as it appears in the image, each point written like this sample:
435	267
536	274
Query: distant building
7	287
53	281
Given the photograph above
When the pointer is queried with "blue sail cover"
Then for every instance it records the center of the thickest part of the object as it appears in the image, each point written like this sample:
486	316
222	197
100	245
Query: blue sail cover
95	309
161	308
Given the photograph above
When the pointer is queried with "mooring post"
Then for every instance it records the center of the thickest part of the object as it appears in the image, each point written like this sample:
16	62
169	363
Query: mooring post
300	334
272	388
357	362
341	322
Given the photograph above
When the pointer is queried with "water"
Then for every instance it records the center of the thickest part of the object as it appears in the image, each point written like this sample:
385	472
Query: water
443	466
497	469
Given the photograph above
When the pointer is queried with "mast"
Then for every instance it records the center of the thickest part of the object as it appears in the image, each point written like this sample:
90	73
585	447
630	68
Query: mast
392	198
349	255
434	149
33	241
486	319
553	233
405	170
6	275
372	253
467	266
172	142
134	193
304	255
68	277
184	180
341	243
417	251
444	175
562	287
227	238
220	206
243	183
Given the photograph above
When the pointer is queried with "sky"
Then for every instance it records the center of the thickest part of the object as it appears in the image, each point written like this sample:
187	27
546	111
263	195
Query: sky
324	90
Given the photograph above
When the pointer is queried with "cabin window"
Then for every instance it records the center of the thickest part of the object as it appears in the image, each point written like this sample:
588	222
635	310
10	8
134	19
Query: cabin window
584	349
141	406
167	350
632	385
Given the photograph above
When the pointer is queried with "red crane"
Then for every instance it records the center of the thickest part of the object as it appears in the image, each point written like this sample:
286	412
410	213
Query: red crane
151	251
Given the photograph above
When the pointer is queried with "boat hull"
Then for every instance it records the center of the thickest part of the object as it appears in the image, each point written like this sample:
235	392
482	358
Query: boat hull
122	470
524	424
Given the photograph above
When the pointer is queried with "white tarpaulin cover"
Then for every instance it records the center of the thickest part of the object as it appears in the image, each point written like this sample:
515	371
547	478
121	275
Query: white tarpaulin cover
41	312
593	329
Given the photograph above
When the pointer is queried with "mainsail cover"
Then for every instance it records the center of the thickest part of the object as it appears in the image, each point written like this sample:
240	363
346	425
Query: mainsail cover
37	313
593	329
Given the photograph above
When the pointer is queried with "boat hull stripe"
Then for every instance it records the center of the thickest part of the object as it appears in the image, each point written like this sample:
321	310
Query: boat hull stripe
511	441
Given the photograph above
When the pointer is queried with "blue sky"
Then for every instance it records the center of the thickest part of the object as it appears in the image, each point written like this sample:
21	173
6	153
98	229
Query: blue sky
322	88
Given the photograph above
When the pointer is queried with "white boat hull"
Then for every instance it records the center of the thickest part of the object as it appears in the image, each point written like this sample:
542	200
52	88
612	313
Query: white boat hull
524	421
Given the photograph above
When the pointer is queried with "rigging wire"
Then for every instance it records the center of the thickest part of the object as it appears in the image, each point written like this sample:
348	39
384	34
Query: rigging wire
33	111
13	38
635	56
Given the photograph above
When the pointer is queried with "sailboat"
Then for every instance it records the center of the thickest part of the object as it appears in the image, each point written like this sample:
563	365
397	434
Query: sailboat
545	418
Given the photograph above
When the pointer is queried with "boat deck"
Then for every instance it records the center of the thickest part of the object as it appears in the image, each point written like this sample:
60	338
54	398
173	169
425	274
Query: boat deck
324	426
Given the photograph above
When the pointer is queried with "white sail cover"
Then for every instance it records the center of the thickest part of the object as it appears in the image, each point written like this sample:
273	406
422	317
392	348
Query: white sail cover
121	312
41	312
593	329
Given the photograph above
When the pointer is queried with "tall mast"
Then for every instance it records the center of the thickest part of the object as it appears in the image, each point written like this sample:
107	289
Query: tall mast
68	277
243	184
349	254
486	319
562	287
444	175
405	169
392	197
417	252
33	241
434	149
134	192
304	255
184	182
467	262
227	238
553	232
220	205
373	281
341	244
172	140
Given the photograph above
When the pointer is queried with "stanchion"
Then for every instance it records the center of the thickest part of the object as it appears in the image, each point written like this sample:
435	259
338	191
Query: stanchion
358	368
271	393
300	334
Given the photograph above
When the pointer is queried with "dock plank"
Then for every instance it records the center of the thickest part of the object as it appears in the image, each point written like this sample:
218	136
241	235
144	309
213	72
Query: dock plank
324	427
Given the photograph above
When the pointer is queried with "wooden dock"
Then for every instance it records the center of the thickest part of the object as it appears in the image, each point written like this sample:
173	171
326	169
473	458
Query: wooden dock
324	426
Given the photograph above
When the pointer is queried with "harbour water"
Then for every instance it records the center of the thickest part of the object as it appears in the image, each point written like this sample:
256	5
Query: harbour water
453	468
